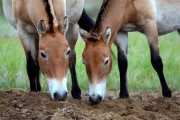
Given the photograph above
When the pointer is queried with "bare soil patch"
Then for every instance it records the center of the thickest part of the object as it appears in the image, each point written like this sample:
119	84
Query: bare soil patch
20	104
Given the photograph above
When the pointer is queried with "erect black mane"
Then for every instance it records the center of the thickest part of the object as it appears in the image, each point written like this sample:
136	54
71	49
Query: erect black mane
49	15
100	17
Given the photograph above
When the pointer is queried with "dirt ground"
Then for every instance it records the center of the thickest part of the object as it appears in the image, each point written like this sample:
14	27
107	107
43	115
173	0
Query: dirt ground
20	104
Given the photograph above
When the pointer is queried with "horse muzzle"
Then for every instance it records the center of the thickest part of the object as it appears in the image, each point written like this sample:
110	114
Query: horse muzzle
59	97
97	92
58	89
95	99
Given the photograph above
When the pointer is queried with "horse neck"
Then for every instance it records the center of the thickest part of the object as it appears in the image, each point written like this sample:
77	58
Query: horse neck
37	13
115	17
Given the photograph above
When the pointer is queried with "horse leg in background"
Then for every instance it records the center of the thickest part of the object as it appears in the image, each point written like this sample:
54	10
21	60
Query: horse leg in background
85	22
71	36
179	32
156	61
121	40
30	45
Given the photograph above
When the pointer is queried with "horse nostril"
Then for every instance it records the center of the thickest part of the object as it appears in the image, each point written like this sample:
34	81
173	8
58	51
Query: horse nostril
60	97
65	95
90	99
99	98
56	96
95	99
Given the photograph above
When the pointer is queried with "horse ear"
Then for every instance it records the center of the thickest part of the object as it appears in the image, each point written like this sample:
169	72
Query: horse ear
107	35
83	33
65	24
41	27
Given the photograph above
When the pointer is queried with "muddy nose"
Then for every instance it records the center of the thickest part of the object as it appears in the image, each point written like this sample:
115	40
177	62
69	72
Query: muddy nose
95	99
60	97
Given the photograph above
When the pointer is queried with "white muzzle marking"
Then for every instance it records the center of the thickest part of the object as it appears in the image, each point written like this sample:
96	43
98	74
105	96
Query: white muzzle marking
58	87
97	90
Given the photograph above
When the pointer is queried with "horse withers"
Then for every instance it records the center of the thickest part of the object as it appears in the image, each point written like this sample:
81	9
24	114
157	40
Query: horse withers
42	27
151	17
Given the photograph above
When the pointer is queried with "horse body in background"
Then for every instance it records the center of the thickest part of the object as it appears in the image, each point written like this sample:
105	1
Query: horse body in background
151	17
43	28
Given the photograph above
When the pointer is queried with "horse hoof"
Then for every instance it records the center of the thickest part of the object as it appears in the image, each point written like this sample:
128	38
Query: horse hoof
35	90
76	94
167	94
124	95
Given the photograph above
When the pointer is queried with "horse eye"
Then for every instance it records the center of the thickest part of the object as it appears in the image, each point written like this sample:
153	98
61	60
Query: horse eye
106	61
83	62
68	52
43	55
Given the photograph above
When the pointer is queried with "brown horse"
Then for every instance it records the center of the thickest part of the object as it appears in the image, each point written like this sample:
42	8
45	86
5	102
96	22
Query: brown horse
151	17
42	27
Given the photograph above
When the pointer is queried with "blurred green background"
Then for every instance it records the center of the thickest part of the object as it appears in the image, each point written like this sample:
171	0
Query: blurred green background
141	75
1	10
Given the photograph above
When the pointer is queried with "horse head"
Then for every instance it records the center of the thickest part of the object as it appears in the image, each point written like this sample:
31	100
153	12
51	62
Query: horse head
98	61
53	57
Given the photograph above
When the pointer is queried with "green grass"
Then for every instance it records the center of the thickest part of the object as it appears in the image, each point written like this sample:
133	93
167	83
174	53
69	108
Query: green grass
141	75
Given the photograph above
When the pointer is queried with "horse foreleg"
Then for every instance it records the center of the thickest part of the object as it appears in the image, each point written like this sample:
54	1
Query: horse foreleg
156	61
121	41
30	46
33	73
71	36
179	32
